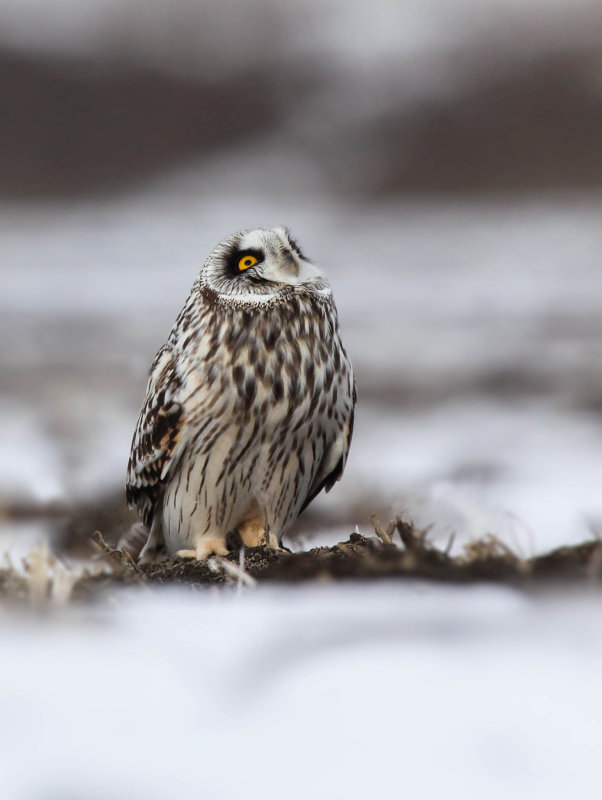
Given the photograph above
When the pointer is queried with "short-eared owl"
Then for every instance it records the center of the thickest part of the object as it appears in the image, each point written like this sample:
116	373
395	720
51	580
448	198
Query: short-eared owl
249	407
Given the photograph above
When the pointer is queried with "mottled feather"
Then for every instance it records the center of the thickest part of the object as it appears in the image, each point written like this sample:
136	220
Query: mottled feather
157	434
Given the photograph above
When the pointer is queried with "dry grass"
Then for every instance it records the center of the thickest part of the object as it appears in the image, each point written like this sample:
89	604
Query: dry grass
44	580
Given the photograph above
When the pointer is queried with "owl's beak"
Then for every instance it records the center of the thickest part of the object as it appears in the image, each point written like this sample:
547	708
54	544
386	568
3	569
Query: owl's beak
283	268
287	268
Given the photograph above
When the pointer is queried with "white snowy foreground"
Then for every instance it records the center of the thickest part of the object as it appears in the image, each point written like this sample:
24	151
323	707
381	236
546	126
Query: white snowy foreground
386	690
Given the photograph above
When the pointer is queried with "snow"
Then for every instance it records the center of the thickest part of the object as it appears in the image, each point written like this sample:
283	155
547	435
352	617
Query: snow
527	473
349	692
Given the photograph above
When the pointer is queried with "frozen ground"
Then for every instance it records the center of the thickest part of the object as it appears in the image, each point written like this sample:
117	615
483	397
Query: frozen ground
349	692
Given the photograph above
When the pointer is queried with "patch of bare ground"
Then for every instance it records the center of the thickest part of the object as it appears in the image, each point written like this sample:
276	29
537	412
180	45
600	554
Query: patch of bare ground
397	551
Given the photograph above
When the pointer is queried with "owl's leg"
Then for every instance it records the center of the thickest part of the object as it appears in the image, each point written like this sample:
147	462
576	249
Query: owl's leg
253	534
205	547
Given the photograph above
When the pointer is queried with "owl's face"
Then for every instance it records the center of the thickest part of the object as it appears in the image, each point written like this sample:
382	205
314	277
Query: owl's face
259	264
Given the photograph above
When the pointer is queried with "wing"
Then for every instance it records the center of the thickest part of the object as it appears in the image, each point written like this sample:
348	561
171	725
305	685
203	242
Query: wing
155	444
336	455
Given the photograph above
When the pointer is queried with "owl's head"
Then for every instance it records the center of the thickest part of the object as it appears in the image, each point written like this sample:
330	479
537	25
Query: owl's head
257	265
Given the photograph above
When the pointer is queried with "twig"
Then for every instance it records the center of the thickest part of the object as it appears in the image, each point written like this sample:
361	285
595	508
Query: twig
121	557
594	568
383	535
410	538
450	543
218	563
38	565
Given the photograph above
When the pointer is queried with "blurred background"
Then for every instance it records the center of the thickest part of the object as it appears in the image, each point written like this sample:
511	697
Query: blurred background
440	159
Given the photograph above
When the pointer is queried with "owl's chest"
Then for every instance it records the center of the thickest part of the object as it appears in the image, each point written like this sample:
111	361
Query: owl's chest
268	369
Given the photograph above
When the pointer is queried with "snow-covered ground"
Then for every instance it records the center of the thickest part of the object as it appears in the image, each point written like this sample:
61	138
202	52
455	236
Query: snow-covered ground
388	690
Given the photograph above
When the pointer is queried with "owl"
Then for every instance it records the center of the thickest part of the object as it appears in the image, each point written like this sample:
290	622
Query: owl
249	407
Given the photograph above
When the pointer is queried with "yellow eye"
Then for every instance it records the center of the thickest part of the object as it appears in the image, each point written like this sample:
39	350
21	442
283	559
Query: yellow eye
246	262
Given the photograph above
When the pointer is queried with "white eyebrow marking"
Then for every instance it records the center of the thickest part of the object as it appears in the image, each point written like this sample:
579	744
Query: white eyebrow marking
253	240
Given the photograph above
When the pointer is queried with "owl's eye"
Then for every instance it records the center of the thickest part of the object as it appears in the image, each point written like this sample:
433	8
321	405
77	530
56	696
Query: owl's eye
247	261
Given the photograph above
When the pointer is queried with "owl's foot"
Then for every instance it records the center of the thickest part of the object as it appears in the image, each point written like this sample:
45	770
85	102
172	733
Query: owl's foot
205	548
253	534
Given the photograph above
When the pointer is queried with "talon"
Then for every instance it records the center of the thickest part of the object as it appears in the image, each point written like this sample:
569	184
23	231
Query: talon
205	549
254	534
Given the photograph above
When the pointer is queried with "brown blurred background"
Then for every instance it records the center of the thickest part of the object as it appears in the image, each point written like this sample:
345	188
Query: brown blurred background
481	97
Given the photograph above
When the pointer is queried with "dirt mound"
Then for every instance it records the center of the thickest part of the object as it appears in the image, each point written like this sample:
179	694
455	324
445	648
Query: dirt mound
398	551
409	555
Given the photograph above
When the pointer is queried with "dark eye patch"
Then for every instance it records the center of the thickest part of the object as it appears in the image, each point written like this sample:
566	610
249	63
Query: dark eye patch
235	255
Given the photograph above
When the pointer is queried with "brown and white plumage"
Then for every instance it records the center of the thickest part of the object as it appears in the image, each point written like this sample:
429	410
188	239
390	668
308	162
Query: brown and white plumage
248	412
